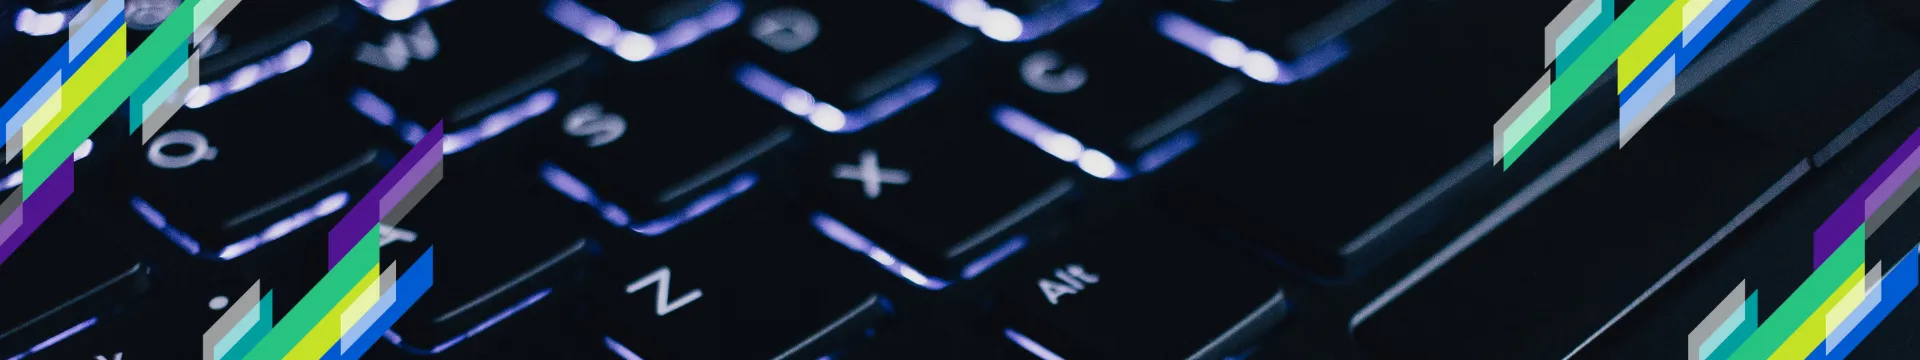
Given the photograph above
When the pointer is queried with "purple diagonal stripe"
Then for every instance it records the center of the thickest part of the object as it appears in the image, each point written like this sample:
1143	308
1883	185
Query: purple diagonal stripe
409	183
364	214
34	209
1854	212
1886	189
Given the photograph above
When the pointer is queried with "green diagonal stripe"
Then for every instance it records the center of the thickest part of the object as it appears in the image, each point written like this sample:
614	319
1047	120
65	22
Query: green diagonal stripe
107	98
334	286
1806	299
259	329
1591	63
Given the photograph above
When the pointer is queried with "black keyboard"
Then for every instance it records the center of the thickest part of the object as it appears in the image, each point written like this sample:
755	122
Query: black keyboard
988	179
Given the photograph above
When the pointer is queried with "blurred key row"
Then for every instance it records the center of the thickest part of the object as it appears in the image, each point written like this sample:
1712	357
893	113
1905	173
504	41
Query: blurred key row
807	179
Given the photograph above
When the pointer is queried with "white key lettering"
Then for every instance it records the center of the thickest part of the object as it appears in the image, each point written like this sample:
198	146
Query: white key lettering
870	174
661	304
1043	71
786	29
201	150
394	55
391	234
1070	279
600	128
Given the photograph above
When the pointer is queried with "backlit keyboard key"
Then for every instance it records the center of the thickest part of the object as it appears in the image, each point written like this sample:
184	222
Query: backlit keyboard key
762	282
1112	293
942	187
849	66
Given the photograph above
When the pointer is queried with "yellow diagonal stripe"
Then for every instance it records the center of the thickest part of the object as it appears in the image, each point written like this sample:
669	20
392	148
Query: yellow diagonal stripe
40	117
77	88
316	343
1658	35
1809	335
1852	296
1693	10
358	309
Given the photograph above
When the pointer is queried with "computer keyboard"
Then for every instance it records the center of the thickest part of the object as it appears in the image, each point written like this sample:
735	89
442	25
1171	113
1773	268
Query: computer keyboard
966	179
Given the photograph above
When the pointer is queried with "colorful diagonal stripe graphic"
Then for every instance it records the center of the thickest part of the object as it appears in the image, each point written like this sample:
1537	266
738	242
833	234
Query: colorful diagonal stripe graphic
355	301
82	84
1651	43
1844	298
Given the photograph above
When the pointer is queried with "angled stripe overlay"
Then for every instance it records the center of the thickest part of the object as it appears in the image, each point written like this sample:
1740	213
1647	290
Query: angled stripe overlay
1651	43
83	83
1845	298
356	300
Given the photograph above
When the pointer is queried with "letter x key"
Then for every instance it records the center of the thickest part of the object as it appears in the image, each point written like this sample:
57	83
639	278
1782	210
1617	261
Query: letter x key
870	174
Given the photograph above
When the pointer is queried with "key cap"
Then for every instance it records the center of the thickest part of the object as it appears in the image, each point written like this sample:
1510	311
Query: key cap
1410	173
1114	89
398	10
1283	30
840	66
660	143
1138	287
1879	63
28	32
1768	254
761	282
1578	263
515	274
415	72
1014	20
637	31
219	189
942	187
187	190
66	285
297	43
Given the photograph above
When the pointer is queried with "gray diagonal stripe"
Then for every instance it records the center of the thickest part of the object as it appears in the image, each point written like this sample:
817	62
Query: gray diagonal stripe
1660	100
1899	196
7	209
1506	120
160	115
80	20
213	20
413	195
232	318
1719	316
1561	23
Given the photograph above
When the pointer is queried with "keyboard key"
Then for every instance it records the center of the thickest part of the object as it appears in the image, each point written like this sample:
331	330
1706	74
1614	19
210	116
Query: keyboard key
1138	287
1390	173
64	285
842	67
644	30
515	272
255	45
1103	95
658	143
1014	20
415	72
758	282
1283	30
267	67
31	34
1768	253
220	189
1569	248
1874	64
941	187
